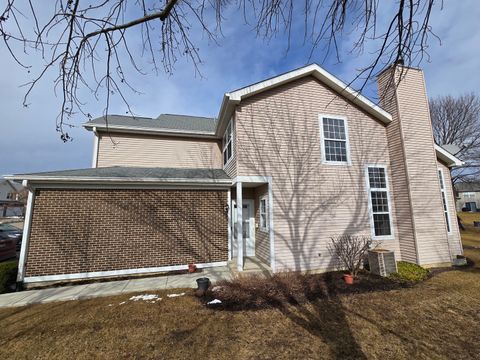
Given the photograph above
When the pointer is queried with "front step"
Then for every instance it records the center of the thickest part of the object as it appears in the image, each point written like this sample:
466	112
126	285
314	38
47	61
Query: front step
251	265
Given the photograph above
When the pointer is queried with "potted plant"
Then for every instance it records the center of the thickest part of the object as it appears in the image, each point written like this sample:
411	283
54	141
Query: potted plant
192	267
350	251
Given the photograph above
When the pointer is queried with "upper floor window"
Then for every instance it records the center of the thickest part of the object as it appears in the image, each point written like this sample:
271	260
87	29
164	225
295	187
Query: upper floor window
334	138
379	202
228	143
444	199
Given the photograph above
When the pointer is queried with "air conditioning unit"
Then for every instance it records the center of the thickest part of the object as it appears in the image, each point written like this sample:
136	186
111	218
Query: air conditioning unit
382	262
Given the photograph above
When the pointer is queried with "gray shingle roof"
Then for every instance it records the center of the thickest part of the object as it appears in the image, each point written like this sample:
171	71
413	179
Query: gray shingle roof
167	122
129	173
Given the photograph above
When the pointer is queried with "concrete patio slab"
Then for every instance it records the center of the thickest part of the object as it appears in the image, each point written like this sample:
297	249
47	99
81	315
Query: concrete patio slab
110	288
63	293
156	283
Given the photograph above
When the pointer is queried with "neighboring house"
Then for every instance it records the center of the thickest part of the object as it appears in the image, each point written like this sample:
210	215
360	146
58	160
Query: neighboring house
288	163
10	191
468	196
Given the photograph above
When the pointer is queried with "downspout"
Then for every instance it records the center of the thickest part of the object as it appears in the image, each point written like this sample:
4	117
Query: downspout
26	234
96	141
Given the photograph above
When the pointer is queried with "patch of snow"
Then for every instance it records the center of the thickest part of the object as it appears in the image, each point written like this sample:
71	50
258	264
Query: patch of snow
217	288
145	297
175	295
123	302
110	304
214	301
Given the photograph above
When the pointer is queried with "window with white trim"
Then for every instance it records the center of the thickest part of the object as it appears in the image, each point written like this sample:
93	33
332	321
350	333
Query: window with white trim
444	199
228	143
334	137
263	213
379	202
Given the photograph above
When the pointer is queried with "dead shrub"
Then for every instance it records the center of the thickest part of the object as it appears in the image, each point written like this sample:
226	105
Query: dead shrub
256	291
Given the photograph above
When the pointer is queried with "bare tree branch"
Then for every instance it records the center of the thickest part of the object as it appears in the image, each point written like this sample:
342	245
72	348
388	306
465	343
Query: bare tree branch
82	38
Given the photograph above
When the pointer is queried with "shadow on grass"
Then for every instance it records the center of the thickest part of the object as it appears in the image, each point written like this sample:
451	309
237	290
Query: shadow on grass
314	302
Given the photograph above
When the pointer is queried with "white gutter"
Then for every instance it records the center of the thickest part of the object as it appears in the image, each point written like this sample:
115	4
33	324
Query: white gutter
449	159
115	180
149	130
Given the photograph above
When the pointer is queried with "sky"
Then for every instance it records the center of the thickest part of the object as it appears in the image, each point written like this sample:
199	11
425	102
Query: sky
30	142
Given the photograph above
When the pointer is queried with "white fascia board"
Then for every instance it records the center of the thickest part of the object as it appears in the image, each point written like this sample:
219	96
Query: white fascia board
324	76
126	180
147	130
445	156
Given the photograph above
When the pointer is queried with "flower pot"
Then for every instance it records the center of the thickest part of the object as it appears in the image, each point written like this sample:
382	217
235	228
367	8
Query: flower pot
203	284
192	268
348	279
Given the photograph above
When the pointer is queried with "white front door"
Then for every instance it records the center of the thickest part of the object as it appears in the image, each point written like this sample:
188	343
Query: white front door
248	216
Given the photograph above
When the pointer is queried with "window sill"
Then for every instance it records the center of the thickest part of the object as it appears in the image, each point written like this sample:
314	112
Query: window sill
381	238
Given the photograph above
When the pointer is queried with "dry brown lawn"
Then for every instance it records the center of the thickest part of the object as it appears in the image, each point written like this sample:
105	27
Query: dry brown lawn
436	319
470	237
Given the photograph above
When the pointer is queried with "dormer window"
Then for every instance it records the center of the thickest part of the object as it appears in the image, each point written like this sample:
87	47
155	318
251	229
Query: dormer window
228	143
334	140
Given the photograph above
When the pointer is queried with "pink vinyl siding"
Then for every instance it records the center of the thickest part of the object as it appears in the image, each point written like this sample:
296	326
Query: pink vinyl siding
400	190
454	238
158	151
278	135
420	165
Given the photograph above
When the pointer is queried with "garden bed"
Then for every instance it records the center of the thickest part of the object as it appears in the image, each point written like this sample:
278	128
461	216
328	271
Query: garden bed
259	292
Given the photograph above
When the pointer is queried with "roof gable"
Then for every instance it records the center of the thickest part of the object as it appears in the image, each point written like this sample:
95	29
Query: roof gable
233	98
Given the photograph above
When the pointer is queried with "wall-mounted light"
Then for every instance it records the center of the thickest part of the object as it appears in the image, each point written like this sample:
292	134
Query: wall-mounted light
226	208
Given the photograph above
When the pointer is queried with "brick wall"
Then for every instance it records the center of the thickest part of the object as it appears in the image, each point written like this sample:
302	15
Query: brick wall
76	231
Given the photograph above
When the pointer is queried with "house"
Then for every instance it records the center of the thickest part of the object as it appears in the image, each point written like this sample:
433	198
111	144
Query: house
468	196
288	163
9	190
12	196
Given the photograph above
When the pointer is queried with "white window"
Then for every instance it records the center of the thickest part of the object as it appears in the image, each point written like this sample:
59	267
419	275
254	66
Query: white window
263	214
469	194
228	143
444	199
334	140
379	202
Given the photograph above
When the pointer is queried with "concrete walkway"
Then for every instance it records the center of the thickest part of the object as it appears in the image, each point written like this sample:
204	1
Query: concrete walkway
100	289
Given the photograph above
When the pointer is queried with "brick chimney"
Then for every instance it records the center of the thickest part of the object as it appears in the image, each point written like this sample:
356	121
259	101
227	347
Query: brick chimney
416	190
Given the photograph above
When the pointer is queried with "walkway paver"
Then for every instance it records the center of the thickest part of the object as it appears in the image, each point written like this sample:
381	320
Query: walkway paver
100	289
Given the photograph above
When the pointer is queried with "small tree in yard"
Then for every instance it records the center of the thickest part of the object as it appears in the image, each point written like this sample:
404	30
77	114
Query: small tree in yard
350	250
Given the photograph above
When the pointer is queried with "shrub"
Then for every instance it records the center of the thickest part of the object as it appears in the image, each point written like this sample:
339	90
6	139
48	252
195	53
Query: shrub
257	291
8	275
351	250
409	272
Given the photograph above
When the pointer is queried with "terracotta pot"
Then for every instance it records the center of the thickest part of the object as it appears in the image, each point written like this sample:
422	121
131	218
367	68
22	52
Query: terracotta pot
192	268
348	279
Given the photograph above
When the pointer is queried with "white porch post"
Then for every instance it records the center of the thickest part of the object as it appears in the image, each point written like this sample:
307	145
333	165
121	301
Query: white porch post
271	232
239	227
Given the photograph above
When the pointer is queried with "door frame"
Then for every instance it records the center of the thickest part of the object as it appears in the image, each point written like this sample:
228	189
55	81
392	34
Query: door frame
251	205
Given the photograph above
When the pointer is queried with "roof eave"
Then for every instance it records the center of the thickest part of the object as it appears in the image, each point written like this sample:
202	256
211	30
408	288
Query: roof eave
118	180
233	98
145	130
449	159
